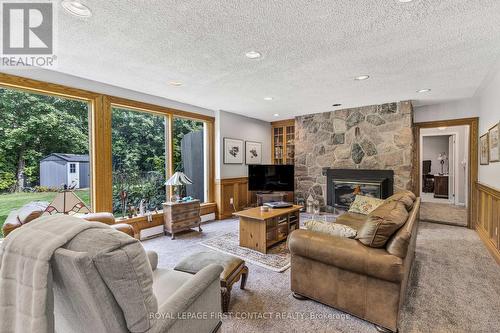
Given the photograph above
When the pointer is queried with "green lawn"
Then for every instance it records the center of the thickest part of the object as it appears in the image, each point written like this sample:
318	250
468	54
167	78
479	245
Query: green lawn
9	202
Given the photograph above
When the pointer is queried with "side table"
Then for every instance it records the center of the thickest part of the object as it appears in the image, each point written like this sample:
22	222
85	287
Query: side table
179	216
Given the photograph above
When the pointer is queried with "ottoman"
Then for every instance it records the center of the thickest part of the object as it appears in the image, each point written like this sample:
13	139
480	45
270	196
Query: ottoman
234	269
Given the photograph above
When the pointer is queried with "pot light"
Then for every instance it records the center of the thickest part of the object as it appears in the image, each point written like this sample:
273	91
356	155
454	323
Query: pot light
405	1
253	55
362	77
442	128
423	90
268	98
276	114
175	83
76	8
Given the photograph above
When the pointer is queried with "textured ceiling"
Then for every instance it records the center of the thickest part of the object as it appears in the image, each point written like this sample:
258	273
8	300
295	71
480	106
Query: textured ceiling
311	50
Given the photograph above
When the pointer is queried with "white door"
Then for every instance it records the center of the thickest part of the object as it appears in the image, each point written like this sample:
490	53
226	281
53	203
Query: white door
451	169
73	174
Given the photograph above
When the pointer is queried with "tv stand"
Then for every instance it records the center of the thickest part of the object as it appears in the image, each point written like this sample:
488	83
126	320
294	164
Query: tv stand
262	197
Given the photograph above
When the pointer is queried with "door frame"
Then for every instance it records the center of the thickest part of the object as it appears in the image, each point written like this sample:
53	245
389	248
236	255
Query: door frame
473	124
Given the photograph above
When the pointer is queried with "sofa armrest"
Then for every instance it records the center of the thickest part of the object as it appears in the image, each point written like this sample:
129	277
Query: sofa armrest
103	217
347	254
184	302
153	259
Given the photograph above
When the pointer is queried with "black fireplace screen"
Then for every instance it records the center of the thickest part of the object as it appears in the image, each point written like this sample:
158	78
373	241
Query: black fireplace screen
345	191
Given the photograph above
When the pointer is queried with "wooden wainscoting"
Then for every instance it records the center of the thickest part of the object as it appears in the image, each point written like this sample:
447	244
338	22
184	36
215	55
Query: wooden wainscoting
227	188
487	217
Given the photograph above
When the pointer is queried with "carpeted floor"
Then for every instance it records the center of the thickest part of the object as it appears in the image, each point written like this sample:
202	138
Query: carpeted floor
453	288
443	213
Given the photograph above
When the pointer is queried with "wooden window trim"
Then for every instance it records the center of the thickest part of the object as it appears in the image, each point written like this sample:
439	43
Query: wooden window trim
100	132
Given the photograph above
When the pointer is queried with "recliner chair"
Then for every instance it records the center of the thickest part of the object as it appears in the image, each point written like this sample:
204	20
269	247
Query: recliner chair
103	281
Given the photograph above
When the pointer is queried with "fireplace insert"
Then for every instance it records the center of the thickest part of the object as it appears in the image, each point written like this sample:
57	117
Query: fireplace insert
344	184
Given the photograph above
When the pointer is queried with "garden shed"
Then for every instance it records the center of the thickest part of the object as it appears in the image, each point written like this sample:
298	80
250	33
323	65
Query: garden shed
59	169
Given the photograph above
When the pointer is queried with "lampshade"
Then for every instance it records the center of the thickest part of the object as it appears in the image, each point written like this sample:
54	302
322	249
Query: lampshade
66	202
178	178
442	157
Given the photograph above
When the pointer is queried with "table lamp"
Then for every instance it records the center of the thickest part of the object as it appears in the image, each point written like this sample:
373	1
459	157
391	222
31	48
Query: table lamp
442	158
178	179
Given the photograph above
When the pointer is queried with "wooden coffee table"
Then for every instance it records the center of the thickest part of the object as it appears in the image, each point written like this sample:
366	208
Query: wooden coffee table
261	230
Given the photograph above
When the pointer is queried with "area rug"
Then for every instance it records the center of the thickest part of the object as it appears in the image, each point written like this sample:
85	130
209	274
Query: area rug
277	258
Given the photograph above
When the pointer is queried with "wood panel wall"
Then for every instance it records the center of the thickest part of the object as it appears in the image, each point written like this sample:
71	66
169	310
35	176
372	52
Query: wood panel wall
235	188
486	215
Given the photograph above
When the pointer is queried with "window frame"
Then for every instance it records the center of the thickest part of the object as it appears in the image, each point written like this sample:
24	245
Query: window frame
100	111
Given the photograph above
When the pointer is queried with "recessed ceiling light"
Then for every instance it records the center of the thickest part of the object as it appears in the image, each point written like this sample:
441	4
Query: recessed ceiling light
276	115
423	90
268	98
76	8
362	77
337	104
175	83
253	55
442	128
405	0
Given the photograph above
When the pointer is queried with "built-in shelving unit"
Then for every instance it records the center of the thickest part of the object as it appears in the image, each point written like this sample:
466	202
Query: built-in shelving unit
283	141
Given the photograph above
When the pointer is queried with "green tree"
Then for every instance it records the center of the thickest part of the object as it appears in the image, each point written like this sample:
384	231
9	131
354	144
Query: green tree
33	126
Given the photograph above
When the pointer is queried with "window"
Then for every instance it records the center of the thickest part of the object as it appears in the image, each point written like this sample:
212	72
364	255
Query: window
189	139
72	168
38	135
138	157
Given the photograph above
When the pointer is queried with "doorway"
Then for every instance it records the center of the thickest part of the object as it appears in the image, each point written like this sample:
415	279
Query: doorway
446	169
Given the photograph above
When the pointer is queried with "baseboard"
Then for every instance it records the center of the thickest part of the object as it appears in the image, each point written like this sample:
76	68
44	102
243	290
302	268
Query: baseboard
489	245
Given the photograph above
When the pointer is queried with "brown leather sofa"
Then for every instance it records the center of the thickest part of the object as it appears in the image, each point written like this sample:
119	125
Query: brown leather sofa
31	211
343	273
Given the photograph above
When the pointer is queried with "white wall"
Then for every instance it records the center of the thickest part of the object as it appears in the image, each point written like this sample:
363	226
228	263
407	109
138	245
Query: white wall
234	126
432	147
489	113
463	108
103	88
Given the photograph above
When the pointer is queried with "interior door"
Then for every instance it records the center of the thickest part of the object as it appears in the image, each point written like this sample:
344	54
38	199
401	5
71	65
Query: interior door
451	169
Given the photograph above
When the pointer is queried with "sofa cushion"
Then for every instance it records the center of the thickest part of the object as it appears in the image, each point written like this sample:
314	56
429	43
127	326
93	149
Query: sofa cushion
123	265
353	220
333	229
382	223
398	244
31	211
365	205
406	197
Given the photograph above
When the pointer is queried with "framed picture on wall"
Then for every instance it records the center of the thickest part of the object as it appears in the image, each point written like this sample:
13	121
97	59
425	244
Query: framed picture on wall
253	152
484	150
494	145
233	151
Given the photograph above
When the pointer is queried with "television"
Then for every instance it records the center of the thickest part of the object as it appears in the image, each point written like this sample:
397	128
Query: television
270	178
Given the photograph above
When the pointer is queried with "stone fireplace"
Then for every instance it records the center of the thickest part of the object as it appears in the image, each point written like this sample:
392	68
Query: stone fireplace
376	137
344	184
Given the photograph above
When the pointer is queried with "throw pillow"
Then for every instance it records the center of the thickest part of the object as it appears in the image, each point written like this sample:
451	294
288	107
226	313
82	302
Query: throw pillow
382	223
406	197
365	205
333	229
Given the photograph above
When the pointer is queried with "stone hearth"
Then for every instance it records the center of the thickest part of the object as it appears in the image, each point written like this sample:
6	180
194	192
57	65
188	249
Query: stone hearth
370	137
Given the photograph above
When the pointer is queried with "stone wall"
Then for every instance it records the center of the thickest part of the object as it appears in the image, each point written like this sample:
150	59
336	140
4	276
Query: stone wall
370	137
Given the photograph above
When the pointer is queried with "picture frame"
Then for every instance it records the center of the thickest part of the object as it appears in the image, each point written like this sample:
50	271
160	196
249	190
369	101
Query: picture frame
233	151
253	152
494	143
484	149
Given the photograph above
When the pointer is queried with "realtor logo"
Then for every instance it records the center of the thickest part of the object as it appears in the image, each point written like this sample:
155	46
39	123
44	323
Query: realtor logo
27	29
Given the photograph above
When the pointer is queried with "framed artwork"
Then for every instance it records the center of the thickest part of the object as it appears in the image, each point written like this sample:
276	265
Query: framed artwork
233	151
494	145
253	152
484	150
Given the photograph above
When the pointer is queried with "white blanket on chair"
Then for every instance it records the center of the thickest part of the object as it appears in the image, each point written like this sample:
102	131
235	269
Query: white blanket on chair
24	271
